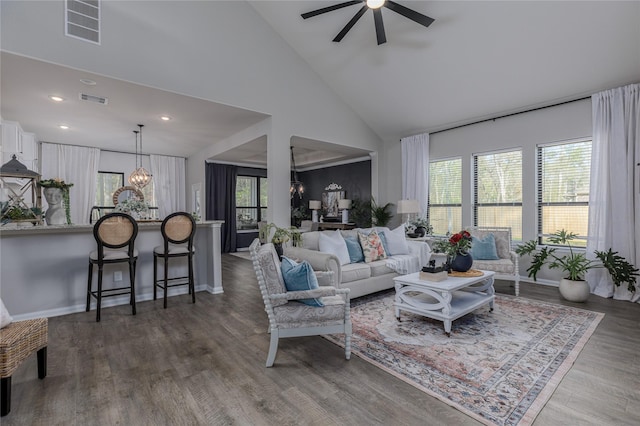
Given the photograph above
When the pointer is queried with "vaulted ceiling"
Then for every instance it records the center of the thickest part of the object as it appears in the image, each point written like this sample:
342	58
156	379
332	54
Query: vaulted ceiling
477	60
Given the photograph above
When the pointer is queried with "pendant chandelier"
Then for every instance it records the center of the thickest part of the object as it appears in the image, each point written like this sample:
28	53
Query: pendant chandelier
140	176
296	187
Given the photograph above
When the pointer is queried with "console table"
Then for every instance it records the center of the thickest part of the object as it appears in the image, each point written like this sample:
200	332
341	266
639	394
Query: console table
335	225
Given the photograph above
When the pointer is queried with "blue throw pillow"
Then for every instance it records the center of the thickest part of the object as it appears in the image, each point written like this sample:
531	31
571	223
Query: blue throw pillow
355	249
484	248
383	238
300	276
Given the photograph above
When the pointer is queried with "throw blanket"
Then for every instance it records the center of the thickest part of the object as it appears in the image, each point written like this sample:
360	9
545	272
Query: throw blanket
404	263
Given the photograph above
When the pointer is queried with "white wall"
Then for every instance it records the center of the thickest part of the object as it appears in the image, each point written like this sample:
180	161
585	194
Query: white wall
525	131
218	51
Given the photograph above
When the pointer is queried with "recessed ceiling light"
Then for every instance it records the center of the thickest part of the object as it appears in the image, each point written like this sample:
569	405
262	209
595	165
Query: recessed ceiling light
64	127
87	82
165	118
56	98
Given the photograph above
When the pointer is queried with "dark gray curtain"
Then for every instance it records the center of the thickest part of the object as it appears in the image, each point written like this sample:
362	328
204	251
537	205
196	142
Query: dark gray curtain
221	201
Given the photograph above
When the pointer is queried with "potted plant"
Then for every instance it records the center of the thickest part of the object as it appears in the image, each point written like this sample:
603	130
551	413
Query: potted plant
56	190
134	207
421	226
279	236
380	215
575	265
456	247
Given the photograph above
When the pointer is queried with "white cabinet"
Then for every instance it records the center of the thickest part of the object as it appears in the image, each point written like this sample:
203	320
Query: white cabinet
22	144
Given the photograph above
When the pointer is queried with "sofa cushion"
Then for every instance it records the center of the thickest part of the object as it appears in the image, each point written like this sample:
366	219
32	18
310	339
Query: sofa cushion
371	246
355	250
500	266
332	242
379	267
355	272
300	276
396	241
484	248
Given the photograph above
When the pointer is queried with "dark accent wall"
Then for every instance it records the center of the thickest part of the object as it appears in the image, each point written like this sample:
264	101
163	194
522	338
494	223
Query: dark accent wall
355	179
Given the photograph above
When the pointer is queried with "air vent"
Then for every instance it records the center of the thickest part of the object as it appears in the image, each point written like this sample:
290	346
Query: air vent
82	20
96	99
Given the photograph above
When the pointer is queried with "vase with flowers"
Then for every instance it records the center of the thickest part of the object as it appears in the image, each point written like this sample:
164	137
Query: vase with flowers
56	192
456	247
136	208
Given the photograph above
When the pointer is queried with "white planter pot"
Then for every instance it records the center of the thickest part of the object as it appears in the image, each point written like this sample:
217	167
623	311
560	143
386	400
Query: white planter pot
574	291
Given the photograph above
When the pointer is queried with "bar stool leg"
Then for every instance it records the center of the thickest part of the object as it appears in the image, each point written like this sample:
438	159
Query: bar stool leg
99	294
132	277
192	287
89	285
155	276
166	267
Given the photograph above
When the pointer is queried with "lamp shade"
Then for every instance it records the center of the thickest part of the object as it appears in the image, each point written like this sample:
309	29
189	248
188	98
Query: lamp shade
408	206
314	204
344	204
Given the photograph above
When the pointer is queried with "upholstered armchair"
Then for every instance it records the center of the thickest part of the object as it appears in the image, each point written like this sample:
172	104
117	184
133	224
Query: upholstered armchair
505	261
288	317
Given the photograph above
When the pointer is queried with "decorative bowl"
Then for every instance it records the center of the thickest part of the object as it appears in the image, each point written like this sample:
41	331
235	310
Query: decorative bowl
412	235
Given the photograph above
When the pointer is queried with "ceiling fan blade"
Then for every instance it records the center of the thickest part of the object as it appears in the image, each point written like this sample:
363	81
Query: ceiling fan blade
351	23
408	13
329	9
377	18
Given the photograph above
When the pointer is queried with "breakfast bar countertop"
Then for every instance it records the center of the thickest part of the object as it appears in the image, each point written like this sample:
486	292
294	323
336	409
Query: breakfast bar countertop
10	229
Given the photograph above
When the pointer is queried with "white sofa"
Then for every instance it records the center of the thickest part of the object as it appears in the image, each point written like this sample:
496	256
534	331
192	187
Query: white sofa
361	278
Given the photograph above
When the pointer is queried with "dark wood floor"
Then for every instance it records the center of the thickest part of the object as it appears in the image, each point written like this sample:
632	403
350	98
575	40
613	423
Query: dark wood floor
203	364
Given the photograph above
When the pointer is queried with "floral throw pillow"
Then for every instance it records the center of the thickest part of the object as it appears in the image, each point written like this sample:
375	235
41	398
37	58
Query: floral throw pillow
371	246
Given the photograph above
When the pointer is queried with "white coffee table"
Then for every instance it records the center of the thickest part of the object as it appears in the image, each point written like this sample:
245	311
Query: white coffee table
445	300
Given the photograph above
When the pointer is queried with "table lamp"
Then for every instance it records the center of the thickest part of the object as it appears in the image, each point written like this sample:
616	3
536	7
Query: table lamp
344	205
314	206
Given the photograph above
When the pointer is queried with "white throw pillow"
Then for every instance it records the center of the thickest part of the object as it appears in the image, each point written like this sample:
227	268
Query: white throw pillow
5	318
332	242
396	241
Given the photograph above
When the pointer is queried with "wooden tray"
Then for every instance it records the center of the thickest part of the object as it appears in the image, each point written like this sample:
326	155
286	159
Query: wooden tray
470	273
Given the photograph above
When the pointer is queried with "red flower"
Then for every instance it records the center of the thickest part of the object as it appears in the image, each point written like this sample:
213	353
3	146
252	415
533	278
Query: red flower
455	238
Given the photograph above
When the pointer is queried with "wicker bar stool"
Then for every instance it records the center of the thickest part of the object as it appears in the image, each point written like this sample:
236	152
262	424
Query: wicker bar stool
115	234
18	341
177	230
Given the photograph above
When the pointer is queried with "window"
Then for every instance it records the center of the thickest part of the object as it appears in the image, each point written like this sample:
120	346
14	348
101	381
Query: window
563	189
445	196
251	201
106	185
108	182
497	191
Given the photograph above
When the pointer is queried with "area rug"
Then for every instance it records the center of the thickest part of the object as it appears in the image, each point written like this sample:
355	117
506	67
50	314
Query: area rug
498	367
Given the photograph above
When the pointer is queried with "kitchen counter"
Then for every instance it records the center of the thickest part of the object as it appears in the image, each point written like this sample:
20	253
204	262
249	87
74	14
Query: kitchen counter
43	269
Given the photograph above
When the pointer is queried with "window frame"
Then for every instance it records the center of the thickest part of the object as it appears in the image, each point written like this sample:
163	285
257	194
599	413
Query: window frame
448	205
540	204
259	207
475	205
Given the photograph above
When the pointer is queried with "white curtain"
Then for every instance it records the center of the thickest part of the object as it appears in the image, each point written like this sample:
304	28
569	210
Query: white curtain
415	170
77	165
614	199
169	179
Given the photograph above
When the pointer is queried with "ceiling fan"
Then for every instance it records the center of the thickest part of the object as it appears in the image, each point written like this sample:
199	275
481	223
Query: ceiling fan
376	7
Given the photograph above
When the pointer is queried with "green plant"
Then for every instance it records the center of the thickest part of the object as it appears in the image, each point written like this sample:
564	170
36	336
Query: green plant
380	215
280	235
360	212
421	222
575	263
459	243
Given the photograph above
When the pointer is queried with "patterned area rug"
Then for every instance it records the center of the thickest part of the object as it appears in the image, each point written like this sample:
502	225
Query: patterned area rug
498	367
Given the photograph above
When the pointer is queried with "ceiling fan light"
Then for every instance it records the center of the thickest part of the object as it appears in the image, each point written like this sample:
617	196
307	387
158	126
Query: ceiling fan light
375	4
